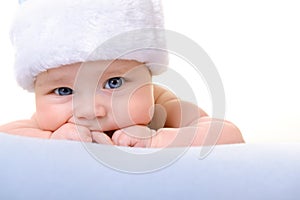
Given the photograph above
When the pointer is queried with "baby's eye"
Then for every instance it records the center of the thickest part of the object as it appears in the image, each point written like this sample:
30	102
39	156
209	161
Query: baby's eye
114	83
63	91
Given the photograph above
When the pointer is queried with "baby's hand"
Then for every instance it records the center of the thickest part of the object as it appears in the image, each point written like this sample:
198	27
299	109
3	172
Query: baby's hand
71	131
134	136
206	131
101	138
174	137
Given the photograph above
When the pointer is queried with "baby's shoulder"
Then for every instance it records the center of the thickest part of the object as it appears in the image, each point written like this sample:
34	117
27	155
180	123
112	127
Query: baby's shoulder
163	95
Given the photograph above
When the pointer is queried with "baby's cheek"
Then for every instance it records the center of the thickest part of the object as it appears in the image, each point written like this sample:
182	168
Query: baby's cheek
141	104
50	119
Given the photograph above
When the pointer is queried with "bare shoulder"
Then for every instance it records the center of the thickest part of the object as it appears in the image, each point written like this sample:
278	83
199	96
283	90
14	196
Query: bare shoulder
179	113
163	95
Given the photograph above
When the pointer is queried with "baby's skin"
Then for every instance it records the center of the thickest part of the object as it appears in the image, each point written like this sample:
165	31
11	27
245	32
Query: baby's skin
115	103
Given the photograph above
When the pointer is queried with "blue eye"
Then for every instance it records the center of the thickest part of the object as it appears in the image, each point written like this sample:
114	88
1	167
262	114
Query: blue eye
63	91
114	83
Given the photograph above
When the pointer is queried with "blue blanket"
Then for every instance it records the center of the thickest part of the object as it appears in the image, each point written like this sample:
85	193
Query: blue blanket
34	168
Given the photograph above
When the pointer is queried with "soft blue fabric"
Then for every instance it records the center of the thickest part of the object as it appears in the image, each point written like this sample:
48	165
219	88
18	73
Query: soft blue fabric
47	169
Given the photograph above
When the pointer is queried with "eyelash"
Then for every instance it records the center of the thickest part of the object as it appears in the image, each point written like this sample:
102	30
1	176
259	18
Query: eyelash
58	91
120	83
66	91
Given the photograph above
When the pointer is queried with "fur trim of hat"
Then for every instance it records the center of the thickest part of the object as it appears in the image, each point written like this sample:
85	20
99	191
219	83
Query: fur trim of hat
52	33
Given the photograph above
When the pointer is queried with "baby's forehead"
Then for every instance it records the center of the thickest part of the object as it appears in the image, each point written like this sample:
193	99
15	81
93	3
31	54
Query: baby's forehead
100	68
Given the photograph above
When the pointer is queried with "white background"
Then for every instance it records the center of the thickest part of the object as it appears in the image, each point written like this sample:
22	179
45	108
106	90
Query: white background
255	46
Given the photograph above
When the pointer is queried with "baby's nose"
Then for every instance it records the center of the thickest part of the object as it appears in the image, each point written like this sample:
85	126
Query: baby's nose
89	110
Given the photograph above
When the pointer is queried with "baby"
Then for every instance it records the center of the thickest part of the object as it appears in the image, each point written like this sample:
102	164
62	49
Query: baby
103	95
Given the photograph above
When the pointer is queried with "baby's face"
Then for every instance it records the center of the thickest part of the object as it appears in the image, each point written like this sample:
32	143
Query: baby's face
100	95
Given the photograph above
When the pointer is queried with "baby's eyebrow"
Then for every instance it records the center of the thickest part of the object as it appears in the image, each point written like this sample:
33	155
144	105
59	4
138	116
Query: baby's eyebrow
60	79
52	81
117	70
111	73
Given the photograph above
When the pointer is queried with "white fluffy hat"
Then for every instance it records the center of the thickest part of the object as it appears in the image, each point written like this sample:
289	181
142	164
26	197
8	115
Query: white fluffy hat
50	33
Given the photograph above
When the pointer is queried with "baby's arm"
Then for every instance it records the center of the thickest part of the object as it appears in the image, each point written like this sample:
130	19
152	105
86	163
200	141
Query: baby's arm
187	124
25	128
179	123
207	131
67	131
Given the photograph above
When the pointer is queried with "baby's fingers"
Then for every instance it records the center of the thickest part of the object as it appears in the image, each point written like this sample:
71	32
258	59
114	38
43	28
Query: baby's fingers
122	139
101	138
136	136
83	134
71	131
